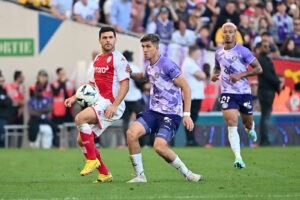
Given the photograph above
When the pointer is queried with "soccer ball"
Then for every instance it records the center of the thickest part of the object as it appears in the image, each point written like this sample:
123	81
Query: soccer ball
87	95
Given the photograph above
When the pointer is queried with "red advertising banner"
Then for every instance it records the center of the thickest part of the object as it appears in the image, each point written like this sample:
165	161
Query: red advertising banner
290	69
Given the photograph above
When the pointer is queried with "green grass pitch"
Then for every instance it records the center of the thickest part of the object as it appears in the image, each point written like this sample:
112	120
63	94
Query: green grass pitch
271	173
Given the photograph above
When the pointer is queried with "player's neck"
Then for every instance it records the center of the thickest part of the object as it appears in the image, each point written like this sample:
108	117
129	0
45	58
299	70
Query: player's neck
107	52
228	46
154	59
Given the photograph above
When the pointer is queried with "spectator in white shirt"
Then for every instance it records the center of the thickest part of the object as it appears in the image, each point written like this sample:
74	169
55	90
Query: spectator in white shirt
195	77
61	9
183	36
86	12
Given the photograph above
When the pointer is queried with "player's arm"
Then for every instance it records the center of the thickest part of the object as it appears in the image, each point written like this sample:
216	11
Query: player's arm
216	73
187	120
256	69
141	77
111	110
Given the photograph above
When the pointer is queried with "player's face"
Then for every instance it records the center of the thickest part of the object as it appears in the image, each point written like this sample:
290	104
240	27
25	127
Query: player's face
229	34
149	50
107	41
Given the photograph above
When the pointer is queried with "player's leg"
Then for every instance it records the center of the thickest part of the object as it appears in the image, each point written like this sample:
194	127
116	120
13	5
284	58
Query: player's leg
82	120
231	118
249	126
133	134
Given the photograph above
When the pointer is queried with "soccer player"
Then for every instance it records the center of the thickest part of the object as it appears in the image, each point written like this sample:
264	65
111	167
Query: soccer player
165	112
112	81
232	68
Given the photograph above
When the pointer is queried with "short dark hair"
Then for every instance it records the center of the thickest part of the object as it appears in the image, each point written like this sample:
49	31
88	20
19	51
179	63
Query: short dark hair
107	29
193	48
17	74
154	38
58	70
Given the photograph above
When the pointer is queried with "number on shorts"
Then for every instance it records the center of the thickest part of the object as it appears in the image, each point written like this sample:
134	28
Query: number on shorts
225	99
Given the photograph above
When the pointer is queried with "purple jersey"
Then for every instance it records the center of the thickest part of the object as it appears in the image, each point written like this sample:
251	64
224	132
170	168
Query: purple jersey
165	96
234	61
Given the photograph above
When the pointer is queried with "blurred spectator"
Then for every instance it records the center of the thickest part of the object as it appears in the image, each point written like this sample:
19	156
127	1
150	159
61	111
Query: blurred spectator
133	100
191	6
272	46
41	82
288	48
183	36
296	34
195	78
294	101
5	109
211	91
107	9
293	9
268	85
258	13
228	14
251	9
194	22
211	13
86	12
137	15
280	104
241	6
282	23
61	9
181	10
61	90
254	89
16	91
120	17
269	8
39	109
263	26
162	25
200	6
246	31
204	41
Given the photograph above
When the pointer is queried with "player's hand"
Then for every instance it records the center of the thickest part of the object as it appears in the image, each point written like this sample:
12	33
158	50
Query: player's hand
235	77
188	123
70	101
128	69
214	77
110	111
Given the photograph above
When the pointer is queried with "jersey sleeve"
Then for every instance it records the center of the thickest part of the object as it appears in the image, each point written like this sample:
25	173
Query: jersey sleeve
216	60
121	69
92	78
172	70
248	56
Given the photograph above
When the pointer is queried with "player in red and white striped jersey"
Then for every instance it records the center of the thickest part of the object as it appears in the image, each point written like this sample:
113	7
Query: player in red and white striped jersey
112	81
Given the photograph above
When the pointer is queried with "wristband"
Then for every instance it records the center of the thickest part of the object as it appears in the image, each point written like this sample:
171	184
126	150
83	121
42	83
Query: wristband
188	114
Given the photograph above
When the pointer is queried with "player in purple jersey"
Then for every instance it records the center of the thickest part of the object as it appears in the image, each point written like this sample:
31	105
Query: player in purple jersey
232	68
165	112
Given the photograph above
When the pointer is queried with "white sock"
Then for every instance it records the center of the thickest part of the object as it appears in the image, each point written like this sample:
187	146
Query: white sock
234	140
180	166
137	163
253	127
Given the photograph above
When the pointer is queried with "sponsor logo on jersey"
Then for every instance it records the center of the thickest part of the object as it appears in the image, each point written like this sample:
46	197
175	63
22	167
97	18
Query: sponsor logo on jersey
101	70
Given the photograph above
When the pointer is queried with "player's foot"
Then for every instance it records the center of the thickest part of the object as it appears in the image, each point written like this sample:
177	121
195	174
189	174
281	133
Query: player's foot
102	178
194	177
138	179
90	166
239	163
252	135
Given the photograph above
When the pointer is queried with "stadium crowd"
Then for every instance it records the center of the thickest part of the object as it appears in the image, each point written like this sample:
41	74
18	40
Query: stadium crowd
185	24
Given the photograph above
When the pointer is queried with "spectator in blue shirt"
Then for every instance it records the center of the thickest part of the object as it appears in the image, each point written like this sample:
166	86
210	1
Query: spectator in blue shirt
120	15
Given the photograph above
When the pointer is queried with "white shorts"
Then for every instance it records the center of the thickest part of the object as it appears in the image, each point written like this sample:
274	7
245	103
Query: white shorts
99	108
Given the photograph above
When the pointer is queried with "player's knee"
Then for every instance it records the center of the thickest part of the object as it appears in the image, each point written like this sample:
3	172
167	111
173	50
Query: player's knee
160	149
79	119
232	122
131	135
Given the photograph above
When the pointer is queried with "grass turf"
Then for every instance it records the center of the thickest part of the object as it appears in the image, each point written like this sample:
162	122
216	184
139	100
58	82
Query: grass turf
272	172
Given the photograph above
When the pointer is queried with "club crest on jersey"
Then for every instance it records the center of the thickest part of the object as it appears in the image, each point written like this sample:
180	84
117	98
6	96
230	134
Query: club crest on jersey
101	70
108	59
234	58
156	75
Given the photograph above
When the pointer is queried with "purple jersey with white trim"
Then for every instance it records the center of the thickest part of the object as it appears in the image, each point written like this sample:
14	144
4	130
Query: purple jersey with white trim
165	96
234	61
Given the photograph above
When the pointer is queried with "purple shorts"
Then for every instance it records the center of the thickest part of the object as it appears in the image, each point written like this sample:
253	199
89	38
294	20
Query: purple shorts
241	102
163	125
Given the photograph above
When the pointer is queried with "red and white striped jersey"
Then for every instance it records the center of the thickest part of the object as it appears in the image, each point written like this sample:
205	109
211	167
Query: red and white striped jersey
108	71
